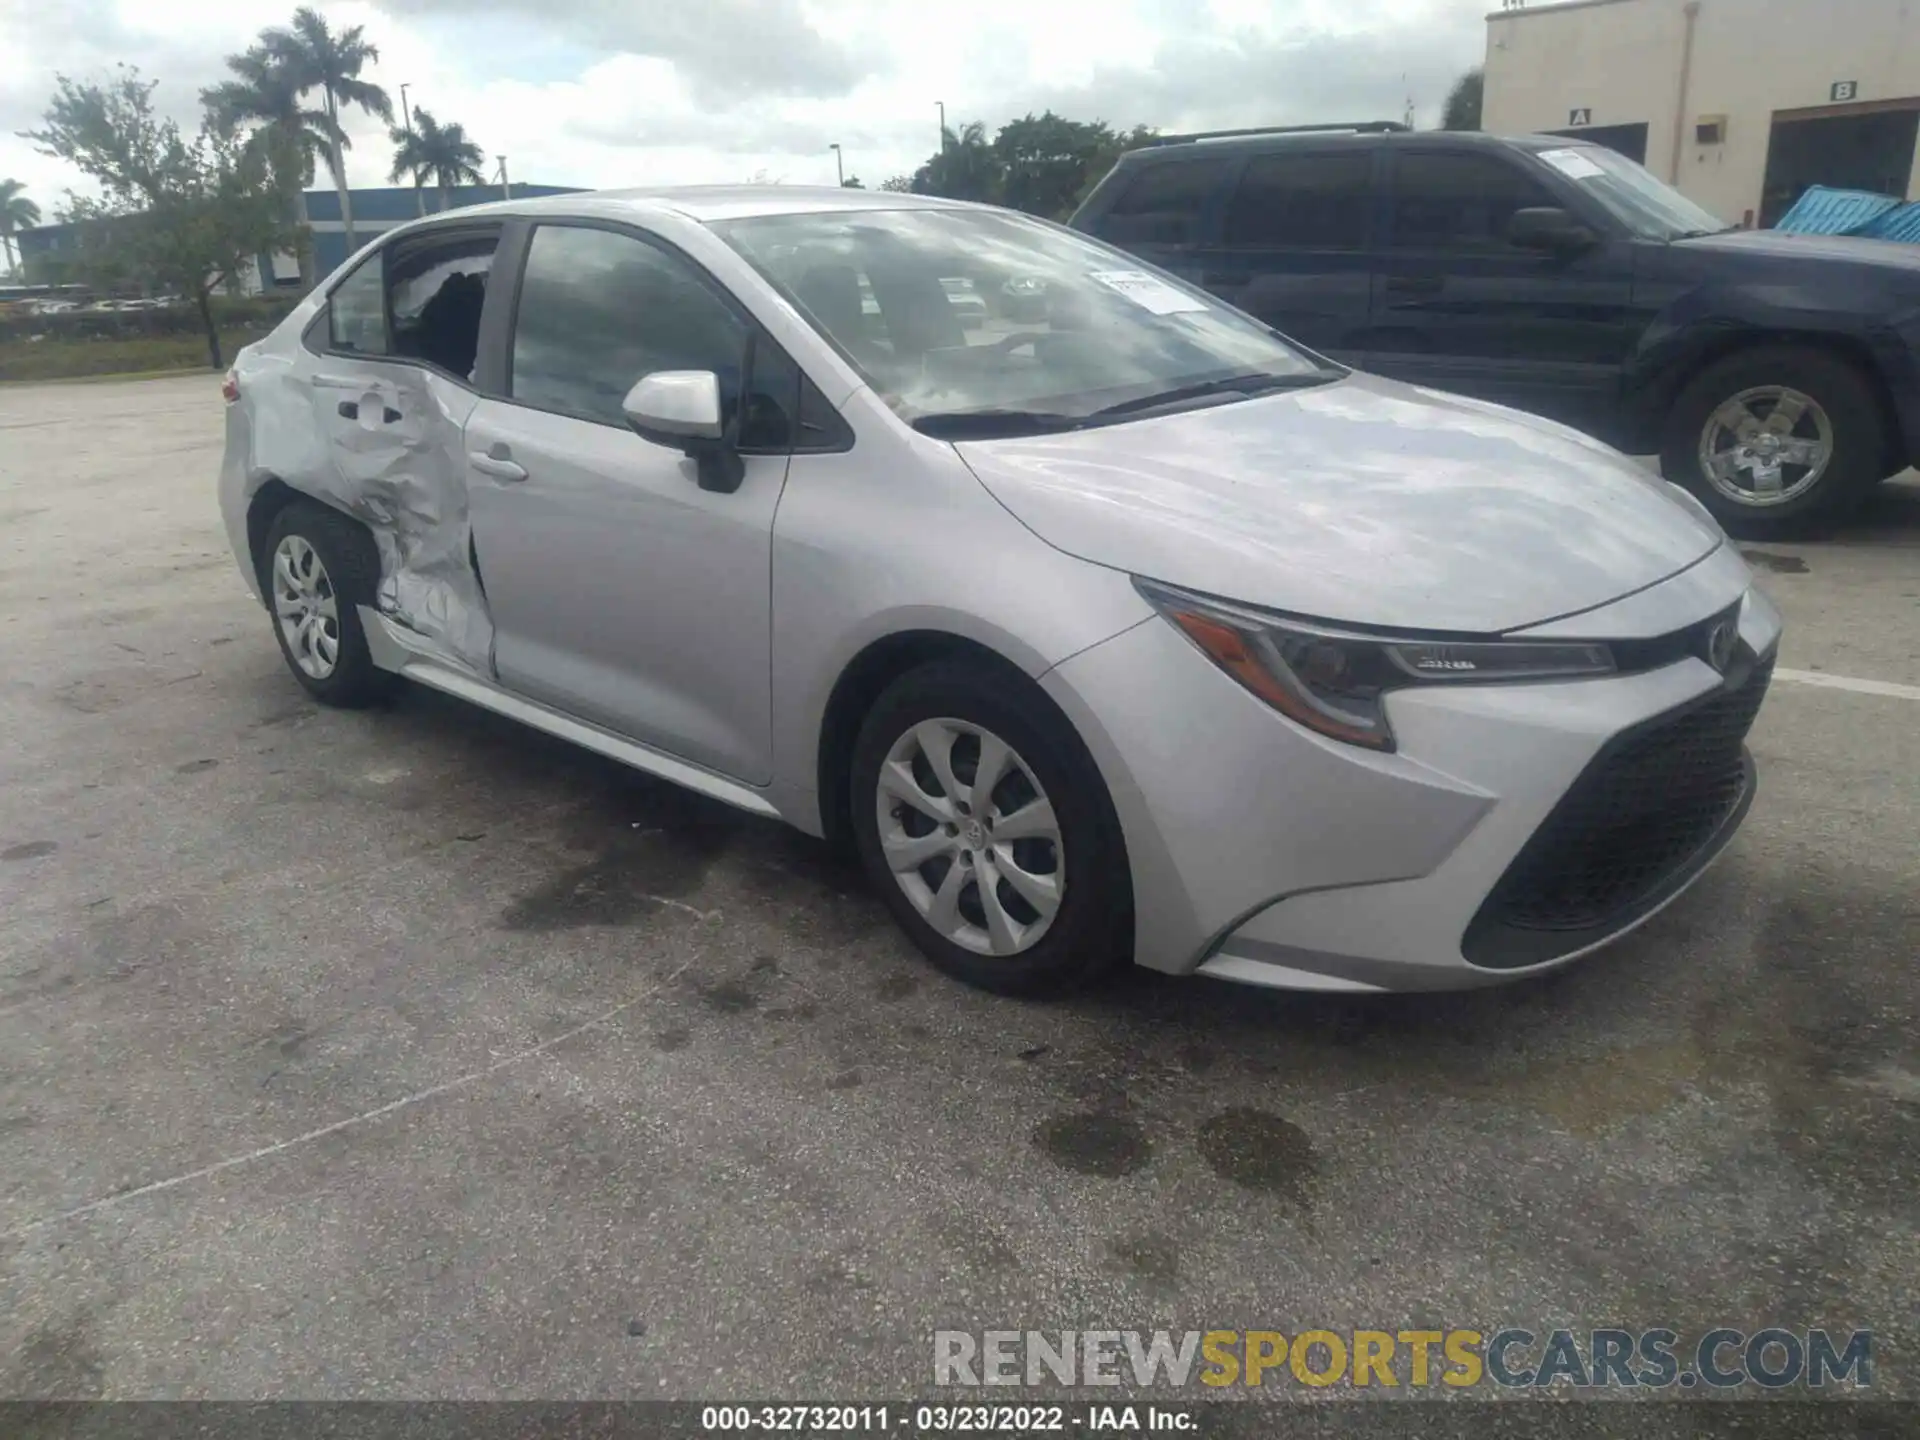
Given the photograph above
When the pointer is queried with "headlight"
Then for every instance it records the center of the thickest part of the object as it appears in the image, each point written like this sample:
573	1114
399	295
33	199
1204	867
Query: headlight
1335	681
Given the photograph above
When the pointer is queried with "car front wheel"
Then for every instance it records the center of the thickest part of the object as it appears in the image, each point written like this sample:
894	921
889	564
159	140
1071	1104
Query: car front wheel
984	824
1776	441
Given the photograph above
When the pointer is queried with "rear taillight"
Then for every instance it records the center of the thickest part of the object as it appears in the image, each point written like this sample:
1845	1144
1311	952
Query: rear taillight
230	388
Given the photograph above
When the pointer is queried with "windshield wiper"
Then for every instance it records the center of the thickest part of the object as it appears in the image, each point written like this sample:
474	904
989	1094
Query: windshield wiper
1243	386
993	423
1701	234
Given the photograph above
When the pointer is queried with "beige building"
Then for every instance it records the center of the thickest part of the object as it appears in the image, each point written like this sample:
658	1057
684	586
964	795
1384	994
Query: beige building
1741	103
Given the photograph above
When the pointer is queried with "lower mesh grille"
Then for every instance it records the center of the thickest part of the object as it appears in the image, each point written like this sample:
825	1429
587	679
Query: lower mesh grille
1635	818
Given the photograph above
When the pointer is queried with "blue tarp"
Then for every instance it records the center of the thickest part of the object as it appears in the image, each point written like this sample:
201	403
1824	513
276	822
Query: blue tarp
1900	223
1825	211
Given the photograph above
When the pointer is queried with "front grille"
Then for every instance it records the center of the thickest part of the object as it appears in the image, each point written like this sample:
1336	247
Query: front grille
1635	817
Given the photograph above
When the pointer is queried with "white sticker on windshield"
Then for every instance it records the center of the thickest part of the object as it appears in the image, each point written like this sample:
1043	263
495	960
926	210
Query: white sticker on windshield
1149	292
1572	164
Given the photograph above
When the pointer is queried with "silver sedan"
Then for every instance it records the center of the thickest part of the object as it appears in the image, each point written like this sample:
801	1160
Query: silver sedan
1114	626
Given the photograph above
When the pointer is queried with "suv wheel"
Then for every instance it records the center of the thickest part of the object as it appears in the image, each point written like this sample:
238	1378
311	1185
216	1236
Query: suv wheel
1776	440
983	824
319	568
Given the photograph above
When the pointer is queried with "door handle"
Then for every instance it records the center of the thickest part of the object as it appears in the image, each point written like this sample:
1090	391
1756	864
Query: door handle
350	410
337	382
497	460
1415	284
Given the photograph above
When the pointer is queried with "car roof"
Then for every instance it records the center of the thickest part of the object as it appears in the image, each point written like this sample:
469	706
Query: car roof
1177	150
706	203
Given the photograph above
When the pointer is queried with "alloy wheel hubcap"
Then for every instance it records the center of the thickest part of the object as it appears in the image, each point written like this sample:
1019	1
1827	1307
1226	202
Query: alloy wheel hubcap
1766	446
971	837
306	608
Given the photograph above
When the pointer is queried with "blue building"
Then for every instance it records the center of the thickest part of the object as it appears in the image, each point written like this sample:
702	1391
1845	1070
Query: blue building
382	209
374	210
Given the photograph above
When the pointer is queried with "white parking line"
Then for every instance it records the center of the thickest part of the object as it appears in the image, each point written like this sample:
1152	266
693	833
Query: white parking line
1847	682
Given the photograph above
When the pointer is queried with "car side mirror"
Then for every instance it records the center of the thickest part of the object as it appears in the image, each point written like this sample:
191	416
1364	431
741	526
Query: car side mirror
681	410
1548	227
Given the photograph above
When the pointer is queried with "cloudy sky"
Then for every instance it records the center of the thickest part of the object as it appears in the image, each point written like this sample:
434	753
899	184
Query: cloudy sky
631	92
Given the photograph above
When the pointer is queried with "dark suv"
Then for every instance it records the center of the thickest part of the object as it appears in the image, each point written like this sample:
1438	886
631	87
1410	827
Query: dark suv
1775	375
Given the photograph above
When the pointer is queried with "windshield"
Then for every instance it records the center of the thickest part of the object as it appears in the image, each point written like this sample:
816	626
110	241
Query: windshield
993	316
1649	207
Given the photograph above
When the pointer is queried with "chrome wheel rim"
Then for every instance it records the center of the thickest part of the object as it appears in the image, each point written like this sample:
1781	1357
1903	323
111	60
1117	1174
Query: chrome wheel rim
306	608
971	837
1766	446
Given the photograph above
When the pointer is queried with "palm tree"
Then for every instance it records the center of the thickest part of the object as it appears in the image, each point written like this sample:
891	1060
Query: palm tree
264	94
441	153
17	213
967	168
318	59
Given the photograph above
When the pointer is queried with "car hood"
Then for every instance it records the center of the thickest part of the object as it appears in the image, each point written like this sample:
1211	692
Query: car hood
1767	246
1364	501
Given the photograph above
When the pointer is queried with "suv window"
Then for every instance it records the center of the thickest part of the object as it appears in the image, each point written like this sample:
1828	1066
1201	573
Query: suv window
418	299
1317	202
1459	202
600	308
1163	203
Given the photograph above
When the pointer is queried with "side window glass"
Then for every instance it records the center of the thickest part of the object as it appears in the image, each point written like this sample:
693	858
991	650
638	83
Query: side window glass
773	398
1311	202
357	309
1163	204
1459	202
598	310
436	288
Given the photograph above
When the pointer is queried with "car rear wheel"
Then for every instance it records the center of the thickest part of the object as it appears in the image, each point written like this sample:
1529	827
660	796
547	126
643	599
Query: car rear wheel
319	568
1776	441
985	826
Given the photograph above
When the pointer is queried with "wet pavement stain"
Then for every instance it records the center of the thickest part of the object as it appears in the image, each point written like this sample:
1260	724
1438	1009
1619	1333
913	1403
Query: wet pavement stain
1260	1151
607	891
1150	1257
1092	1143
676	1037
57	1362
194	767
845	1080
1778	564
896	987
31	850
729	997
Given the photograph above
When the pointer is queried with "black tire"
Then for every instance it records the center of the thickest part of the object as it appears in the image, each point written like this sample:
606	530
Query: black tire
1093	927
352	566
1860	439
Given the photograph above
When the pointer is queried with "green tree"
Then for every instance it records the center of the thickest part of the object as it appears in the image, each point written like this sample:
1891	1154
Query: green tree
318	59
1046	159
965	168
17	213
898	184
852	182
264	97
440	153
185	215
1462	110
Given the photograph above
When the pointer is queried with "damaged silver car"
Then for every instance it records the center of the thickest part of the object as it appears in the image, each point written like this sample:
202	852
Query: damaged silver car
1101	620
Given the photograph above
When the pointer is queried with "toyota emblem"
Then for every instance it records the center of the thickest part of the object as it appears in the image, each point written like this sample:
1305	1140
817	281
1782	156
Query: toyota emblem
1720	643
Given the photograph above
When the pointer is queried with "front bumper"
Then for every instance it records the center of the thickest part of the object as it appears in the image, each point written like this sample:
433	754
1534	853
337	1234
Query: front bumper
1265	854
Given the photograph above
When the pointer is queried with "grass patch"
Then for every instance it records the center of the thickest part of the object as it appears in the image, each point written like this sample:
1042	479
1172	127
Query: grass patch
52	359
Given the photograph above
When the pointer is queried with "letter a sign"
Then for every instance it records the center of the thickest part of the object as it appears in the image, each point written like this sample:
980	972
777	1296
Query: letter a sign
1580	117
